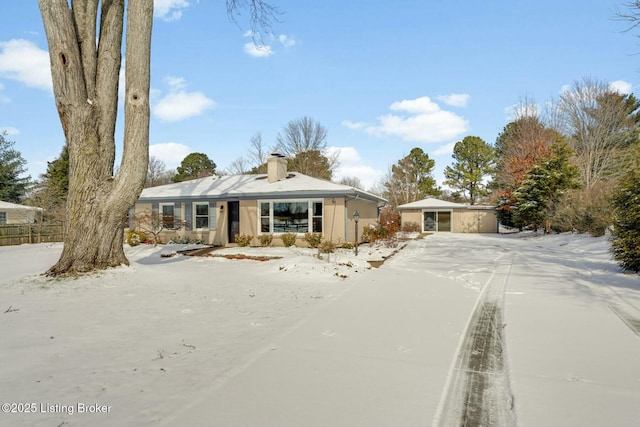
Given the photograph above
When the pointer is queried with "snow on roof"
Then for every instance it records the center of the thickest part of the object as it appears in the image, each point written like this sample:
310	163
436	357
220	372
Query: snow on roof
254	186
7	205
433	203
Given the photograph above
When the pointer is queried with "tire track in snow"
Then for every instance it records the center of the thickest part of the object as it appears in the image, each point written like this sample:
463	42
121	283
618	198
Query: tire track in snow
478	391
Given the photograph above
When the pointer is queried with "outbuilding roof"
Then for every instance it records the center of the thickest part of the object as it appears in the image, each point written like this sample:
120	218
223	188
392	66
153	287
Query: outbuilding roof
433	203
236	187
14	206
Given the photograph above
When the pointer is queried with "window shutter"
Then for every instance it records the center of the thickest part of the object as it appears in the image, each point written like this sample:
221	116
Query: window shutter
176	214
188	216
212	215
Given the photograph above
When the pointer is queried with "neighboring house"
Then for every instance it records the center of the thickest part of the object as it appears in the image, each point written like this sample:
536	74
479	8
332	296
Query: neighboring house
10	213
436	215
216	208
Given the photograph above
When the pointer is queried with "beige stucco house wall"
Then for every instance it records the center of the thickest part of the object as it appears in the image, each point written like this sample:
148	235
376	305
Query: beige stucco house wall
247	205
434	215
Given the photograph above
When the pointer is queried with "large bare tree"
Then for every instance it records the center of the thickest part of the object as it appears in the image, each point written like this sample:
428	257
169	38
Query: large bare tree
601	124
85	65
304	142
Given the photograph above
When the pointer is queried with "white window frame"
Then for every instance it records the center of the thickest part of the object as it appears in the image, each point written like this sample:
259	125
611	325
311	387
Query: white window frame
211	216
311	216
161	213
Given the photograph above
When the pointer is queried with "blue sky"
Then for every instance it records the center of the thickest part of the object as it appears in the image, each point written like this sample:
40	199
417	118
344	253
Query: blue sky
382	76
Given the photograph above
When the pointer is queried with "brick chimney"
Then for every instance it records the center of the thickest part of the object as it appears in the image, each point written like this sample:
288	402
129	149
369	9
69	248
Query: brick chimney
276	167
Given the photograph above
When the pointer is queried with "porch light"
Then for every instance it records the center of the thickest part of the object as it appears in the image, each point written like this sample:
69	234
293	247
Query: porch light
356	217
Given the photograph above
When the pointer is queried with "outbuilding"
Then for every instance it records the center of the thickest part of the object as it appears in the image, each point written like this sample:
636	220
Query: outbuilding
11	213
435	215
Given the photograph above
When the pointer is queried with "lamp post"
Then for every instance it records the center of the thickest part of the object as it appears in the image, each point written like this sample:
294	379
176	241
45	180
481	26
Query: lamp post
356	217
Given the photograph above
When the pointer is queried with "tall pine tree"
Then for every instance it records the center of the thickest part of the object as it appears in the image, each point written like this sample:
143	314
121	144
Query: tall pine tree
411	179
474	160
13	186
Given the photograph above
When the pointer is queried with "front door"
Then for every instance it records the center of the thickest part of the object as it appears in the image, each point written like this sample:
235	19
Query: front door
233	220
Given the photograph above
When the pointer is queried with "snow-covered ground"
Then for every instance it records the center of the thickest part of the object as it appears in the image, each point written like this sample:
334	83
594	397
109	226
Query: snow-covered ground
490	329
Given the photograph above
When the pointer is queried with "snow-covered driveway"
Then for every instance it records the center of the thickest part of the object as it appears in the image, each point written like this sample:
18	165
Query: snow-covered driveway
568	332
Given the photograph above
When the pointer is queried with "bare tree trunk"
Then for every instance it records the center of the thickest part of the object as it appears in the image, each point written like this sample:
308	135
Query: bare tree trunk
85	83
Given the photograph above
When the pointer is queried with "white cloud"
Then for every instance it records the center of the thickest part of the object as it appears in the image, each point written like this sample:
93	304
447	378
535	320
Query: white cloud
455	99
171	153
352	165
417	106
176	83
353	125
8	130
169	10
445	149
258	51
423	121
3	98
565	88
25	62
286	41
179	104
620	86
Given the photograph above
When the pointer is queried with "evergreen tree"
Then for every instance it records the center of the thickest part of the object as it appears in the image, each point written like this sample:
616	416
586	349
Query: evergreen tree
195	165
522	144
625	241
543	187
51	192
12	165
474	160
411	179
312	163
56	178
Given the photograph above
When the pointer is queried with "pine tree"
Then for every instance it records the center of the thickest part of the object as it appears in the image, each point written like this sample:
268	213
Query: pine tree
195	165
474	160
51	192
411	179
543	187
12	165
56	178
625	241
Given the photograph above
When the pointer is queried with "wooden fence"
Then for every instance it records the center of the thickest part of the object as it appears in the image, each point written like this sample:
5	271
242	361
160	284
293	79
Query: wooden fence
18	234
